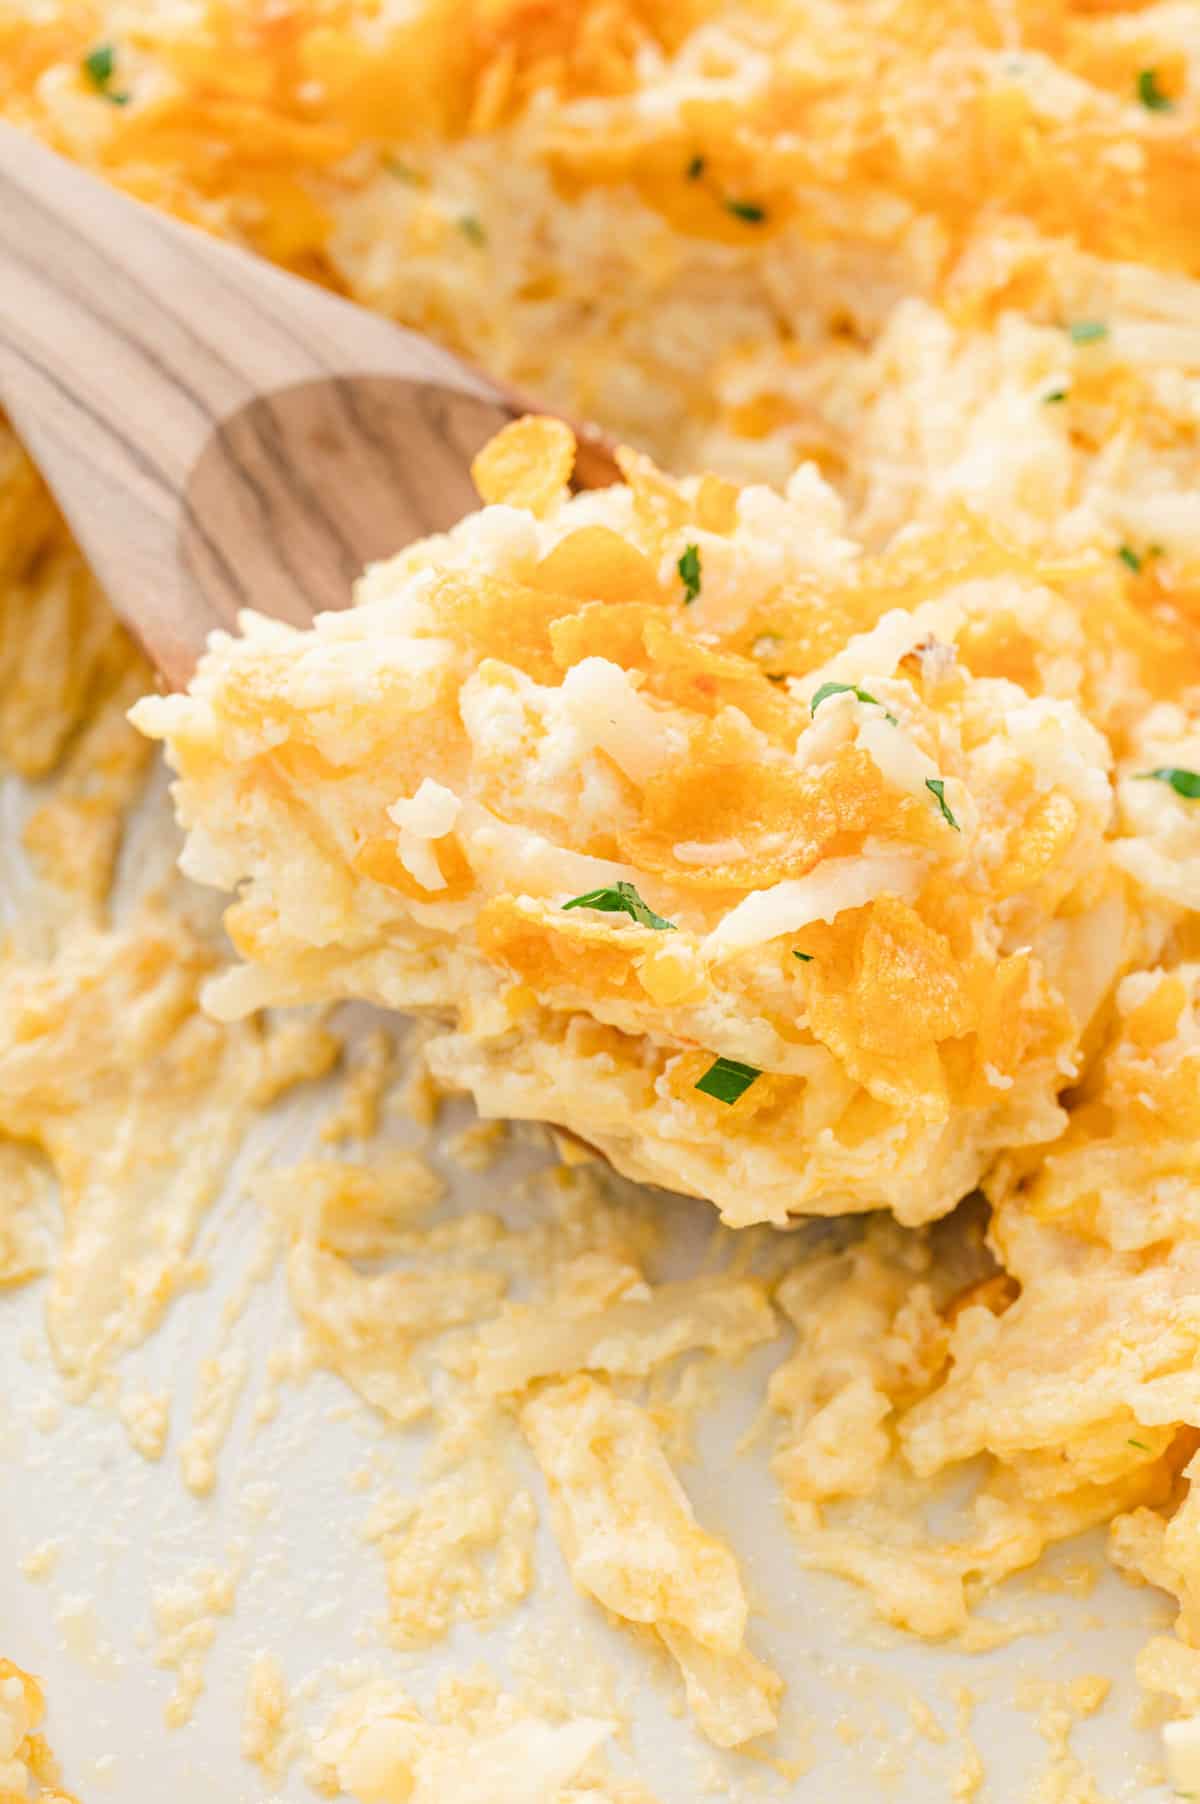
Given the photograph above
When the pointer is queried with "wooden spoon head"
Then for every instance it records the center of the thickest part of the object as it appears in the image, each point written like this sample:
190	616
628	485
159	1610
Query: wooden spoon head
298	491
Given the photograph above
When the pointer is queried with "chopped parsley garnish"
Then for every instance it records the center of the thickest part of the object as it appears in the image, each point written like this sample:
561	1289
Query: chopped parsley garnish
472	230
937	789
827	689
1087	331
689	573
748	210
100	65
622	898
1056	394
1129	556
805	958
1140	1445
1185	783
403	172
1150	94
727	1079
695	168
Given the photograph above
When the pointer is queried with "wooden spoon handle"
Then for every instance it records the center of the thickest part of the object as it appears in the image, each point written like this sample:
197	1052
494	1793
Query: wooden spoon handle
110	311
125	337
91	355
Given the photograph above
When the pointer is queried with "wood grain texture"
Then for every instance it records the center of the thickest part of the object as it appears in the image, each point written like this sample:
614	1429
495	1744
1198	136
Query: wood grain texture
220	434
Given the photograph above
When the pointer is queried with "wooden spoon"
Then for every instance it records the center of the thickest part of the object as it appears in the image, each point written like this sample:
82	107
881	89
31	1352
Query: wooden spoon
219	434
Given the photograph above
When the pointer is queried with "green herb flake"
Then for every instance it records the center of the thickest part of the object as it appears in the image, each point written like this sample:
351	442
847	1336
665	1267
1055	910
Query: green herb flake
747	210
472	230
689	573
1150	94
403	172
1129	556
622	898
100	65
1185	783
727	1079
1087	331
1140	1445
937	789
827	689
806	958
1055	395
695	168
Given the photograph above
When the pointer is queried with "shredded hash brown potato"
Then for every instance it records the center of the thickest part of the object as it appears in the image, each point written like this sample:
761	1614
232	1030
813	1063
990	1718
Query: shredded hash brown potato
899	303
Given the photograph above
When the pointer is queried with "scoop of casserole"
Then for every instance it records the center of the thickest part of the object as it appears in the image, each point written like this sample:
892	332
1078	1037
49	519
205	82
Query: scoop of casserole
737	851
